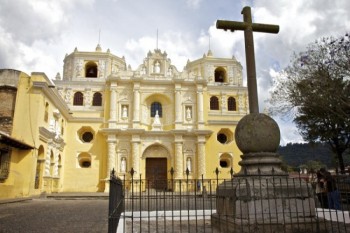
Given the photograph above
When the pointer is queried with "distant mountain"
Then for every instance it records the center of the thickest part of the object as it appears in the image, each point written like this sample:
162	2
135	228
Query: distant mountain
296	154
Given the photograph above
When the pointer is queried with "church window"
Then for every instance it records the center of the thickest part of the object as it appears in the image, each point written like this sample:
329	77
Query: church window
224	136
231	104
156	106
220	75
46	116
87	136
84	160
78	99
214	103
91	70
4	163
97	99
225	161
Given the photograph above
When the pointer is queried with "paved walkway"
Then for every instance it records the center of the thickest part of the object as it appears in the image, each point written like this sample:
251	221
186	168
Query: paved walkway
62	214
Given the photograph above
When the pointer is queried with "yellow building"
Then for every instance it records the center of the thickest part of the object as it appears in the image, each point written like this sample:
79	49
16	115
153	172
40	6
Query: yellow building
103	115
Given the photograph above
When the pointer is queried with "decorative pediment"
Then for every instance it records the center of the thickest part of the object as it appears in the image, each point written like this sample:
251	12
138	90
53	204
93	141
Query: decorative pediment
157	64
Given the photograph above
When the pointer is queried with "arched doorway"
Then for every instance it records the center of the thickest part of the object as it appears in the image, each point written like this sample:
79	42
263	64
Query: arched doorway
156	157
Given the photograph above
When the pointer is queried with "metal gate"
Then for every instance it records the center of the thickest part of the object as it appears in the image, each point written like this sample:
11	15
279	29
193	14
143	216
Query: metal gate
116	202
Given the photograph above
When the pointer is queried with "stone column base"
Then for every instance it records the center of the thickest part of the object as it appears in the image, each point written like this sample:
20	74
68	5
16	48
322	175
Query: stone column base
265	204
234	225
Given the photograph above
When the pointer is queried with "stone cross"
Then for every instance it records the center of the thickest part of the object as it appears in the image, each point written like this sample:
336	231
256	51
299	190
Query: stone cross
248	27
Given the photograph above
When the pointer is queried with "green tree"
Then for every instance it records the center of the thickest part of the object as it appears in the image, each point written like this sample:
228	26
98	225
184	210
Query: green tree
315	91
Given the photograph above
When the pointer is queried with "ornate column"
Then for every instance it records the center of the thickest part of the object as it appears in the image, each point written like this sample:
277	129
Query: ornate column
47	163
201	157
111	143
200	105
135	142
47	177
55	166
178	110
136	106
178	160
113	106
223	102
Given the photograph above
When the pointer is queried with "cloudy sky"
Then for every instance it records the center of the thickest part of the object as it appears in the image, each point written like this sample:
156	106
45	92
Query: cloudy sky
35	35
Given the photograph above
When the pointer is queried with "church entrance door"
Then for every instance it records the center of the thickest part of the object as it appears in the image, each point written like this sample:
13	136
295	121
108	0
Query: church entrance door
156	173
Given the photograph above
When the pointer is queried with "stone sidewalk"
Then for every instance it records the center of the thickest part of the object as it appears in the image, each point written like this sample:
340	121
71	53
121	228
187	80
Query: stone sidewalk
65	212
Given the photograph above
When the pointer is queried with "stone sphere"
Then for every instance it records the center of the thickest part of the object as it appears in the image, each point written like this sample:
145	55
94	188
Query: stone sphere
257	132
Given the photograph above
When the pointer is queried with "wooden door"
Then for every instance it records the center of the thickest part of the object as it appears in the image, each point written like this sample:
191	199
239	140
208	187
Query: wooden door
156	173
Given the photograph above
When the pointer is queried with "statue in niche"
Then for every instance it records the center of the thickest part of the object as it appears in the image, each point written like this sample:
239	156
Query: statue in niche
188	113
157	67
125	112
156	119
156	123
189	164
123	165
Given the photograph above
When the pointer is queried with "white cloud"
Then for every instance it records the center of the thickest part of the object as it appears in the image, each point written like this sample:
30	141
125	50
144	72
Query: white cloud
36	34
193	3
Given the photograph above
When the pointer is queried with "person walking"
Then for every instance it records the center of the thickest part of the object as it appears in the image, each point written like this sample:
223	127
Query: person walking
333	195
320	189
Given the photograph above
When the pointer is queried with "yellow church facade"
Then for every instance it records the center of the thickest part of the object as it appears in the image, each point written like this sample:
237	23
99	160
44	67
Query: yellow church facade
68	134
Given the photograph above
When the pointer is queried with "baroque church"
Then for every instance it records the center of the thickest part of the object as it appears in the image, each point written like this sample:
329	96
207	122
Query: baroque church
68	134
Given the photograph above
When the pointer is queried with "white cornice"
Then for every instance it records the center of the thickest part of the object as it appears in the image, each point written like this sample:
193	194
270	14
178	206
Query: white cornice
221	122
54	97
87	119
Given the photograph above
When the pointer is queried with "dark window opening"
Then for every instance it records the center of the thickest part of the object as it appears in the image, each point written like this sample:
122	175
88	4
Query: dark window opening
231	104
87	137
4	164
91	70
220	75
223	163
97	99
156	106
86	164
78	99
222	138
214	103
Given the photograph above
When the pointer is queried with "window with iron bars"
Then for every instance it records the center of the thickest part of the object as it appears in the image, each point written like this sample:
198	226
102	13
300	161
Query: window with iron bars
4	164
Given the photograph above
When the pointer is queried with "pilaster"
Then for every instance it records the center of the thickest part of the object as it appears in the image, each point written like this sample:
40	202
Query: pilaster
201	157
178	160
136	107
113	106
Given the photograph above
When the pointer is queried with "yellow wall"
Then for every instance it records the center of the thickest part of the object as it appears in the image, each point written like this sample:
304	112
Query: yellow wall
84	179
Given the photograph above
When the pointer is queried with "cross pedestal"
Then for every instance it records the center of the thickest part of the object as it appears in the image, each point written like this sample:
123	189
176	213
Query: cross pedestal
261	197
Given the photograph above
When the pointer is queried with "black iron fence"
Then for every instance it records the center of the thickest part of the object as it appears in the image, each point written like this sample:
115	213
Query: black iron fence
116	202
255	204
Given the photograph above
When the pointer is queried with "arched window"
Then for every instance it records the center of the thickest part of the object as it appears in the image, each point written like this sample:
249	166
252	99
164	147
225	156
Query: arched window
97	99
84	160
220	75
231	104
156	106
78	99
225	161
91	70
214	103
